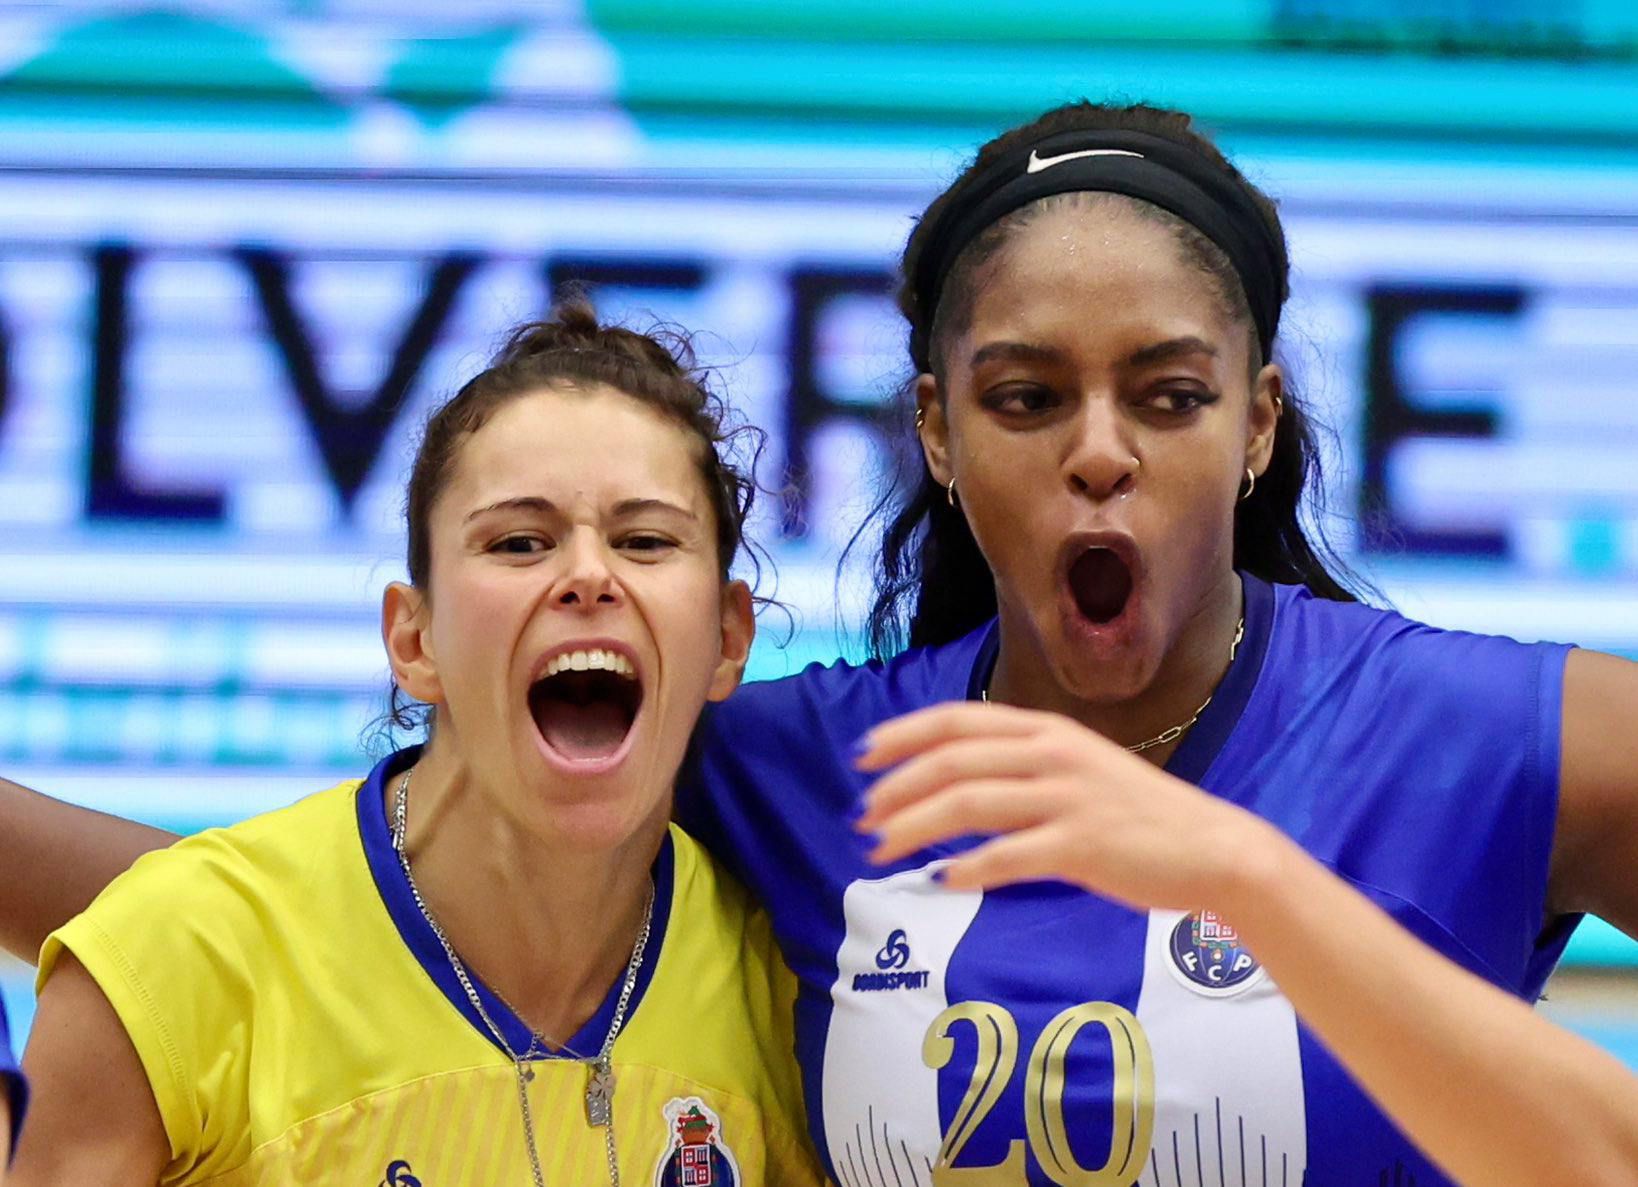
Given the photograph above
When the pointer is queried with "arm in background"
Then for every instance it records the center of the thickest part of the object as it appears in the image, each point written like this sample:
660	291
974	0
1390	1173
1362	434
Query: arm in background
54	859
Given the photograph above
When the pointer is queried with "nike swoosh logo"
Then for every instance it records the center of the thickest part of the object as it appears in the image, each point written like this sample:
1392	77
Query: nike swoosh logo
1037	163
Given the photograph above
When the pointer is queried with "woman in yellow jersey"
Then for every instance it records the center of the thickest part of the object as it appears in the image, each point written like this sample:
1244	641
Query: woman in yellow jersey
493	960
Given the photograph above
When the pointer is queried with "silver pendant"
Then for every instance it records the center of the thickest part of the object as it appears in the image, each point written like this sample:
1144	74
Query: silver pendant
599	1094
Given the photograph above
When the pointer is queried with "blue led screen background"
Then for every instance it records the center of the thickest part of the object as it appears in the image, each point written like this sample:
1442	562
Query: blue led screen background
245	246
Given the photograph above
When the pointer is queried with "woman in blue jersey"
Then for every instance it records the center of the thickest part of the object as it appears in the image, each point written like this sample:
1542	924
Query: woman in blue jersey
1060	962
1107	536
494	959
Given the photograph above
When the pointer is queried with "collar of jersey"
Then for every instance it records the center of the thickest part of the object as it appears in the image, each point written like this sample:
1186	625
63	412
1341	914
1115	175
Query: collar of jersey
424	946
1198	750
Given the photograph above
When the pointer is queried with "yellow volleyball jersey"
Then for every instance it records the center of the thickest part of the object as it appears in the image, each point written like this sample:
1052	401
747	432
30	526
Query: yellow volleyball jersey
300	1023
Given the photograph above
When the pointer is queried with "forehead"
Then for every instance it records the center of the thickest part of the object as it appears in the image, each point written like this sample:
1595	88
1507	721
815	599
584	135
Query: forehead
1099	273
562	443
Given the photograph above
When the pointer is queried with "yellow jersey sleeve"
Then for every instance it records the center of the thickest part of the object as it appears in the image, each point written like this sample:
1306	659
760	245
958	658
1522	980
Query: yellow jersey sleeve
171	943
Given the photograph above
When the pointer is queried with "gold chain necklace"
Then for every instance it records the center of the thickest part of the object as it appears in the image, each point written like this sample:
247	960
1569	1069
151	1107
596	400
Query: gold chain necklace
1174	732
599	1070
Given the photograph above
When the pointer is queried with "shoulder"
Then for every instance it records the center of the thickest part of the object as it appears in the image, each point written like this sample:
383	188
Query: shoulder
223	880
1412	703
776	741
213	899
216	899
714	920
183	944
1424	762
1349	645
219	887
845	699
718	948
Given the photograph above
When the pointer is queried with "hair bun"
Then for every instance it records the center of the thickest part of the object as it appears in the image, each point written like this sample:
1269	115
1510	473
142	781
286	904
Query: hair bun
573	325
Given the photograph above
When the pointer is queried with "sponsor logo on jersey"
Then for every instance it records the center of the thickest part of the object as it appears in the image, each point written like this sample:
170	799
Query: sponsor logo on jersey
399	1174
696	1155
1208	957
891	958
894	954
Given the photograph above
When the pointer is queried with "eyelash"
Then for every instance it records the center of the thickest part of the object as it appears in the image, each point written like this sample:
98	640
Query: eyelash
1008	400
501	545
652	542
641	542
1192	398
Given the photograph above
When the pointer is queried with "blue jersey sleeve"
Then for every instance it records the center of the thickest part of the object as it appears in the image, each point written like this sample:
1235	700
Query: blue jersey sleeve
1421	764
12	1088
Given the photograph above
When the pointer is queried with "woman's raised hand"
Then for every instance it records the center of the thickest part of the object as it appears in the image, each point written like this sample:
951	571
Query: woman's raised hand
1062	801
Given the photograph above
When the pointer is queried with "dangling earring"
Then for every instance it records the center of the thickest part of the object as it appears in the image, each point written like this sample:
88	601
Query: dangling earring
949	493
1251	485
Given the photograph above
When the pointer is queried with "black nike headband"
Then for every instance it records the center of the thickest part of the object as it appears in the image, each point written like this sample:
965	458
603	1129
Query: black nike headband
1169	175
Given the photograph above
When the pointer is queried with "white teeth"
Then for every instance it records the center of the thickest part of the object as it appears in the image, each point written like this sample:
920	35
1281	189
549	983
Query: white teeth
595	660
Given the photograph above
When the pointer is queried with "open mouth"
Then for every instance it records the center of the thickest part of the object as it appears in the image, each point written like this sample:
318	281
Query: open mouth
585	702
1101	582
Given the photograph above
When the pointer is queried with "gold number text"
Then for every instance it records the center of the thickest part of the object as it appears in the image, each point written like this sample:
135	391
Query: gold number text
1044	1082
1134	1096
997	1054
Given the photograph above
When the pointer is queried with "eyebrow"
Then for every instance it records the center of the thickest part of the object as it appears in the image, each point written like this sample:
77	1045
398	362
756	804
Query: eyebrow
521	503
544	506
1145	356
1172	348
1020	352
627	507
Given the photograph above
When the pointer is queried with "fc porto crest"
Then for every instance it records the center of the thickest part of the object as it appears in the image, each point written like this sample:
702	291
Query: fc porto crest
1208	957
696	1155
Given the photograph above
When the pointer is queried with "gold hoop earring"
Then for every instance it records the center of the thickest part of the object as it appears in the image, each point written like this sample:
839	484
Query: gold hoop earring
949	493
1251	485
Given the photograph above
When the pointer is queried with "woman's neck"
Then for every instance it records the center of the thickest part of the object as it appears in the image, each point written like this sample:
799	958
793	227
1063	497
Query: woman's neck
1188	674
548	926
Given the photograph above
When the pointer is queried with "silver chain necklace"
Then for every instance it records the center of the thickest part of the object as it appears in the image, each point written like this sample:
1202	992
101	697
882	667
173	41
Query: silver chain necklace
1172	732
599	1070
